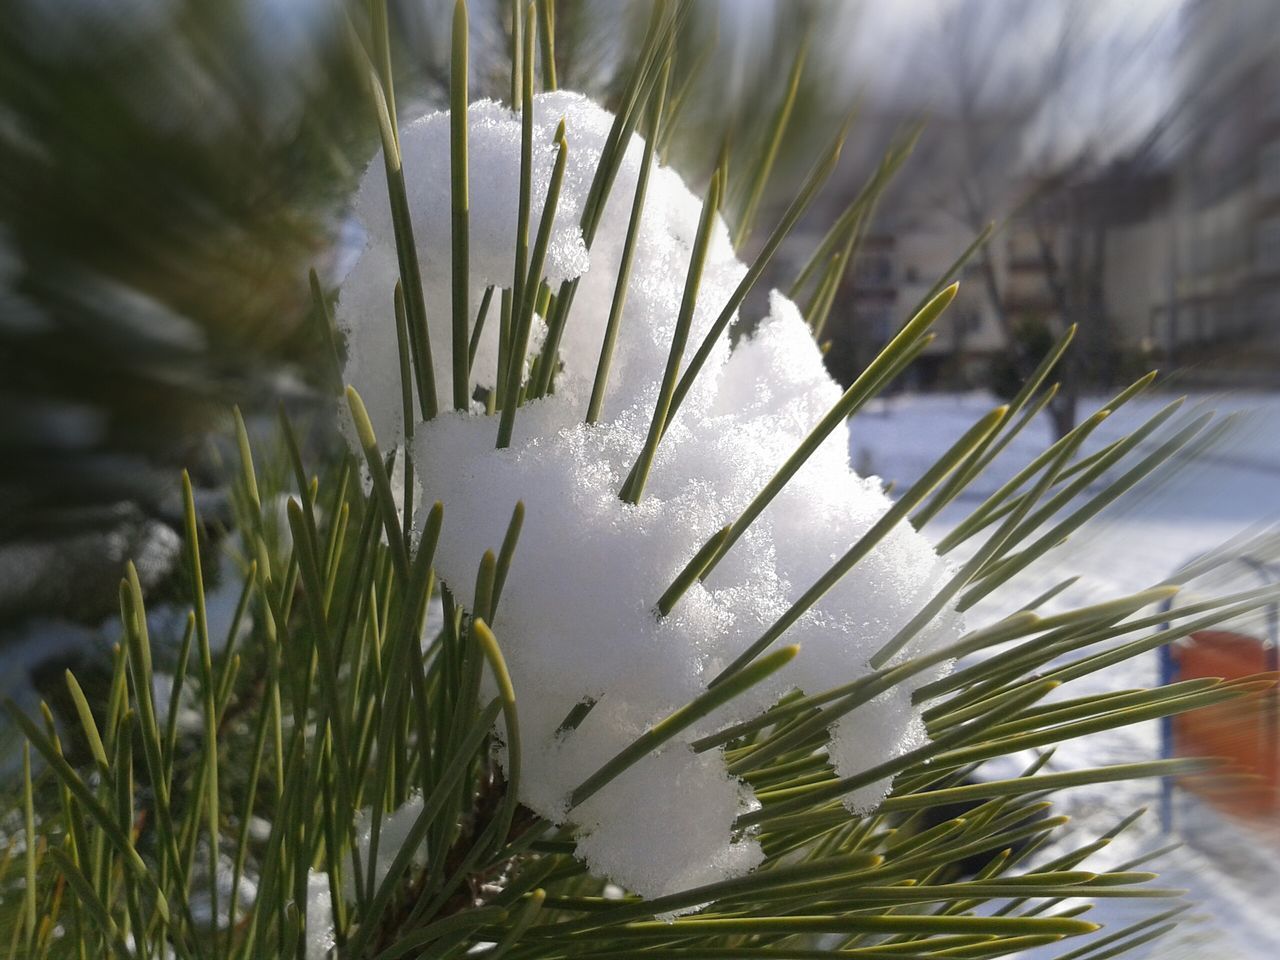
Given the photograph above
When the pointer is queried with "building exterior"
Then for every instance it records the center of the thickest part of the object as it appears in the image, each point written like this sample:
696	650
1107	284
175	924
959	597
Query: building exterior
1165	256
892	274
968	336
1223	314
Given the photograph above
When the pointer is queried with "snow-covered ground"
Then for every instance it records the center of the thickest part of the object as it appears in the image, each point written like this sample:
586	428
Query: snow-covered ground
1231	869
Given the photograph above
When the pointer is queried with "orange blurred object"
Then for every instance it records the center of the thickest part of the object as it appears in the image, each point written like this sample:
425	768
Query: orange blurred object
1245	732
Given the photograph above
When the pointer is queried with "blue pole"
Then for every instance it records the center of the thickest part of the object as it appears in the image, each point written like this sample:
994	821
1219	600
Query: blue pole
1270	574
1168	674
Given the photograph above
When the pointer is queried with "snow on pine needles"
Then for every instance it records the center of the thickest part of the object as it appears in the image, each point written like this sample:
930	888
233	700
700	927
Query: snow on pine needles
576	617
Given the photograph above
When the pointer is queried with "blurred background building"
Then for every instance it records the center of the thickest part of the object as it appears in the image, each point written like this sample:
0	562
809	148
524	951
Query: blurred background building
1224	302
1161	240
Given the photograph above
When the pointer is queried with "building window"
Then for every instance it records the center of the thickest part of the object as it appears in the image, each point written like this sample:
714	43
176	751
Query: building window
1269	170
1267	246
881	324
874	270
1269	314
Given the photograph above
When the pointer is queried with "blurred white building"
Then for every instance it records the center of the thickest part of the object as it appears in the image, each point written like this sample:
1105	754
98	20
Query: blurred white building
1167	254
1223	311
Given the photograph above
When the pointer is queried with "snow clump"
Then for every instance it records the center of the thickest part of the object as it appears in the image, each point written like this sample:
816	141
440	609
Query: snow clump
576	619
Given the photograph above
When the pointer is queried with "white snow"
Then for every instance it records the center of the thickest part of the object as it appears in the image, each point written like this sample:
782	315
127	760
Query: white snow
392	835
201	902
319	933
576	618
190	716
